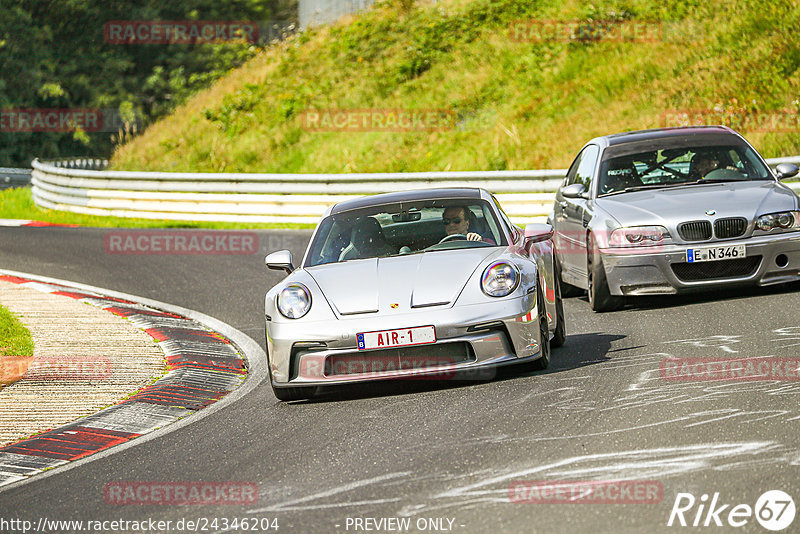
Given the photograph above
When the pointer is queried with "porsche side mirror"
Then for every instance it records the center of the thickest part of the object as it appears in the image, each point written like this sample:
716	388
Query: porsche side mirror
280	261
786	170
536	232
574	191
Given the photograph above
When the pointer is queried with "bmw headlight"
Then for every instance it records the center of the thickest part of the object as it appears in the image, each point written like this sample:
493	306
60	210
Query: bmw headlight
638	236
294	301
786	220
500	279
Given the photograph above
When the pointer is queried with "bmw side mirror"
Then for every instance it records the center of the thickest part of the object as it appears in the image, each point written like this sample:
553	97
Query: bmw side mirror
280	261
574	191
536	232
786	170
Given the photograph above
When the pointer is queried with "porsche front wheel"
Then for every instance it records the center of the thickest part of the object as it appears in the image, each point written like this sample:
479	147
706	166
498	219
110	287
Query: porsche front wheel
543	361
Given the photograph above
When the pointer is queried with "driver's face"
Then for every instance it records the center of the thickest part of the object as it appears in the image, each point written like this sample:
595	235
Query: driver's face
706	165
456	221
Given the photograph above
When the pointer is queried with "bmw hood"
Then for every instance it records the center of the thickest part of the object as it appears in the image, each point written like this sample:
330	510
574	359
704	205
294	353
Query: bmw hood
670	206
398	282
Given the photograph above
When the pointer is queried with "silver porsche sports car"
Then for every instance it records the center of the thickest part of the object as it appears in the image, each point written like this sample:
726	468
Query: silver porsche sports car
673	210
434	283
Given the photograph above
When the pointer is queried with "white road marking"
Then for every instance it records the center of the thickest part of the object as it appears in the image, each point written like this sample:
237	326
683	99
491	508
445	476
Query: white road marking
291	505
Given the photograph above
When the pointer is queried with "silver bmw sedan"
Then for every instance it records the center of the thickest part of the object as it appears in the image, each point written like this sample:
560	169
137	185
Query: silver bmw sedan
673	210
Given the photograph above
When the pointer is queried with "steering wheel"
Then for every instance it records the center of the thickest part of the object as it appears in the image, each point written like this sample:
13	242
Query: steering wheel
453	237
724	173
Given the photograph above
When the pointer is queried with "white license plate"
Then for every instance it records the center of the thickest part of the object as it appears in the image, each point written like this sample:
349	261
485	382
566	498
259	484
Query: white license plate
402	337
694	255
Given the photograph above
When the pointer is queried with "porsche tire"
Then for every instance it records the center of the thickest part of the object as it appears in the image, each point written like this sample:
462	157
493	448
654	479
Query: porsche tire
543	362
560	335
293	393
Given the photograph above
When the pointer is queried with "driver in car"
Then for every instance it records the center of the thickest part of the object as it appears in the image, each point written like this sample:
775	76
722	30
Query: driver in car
704	163
456	221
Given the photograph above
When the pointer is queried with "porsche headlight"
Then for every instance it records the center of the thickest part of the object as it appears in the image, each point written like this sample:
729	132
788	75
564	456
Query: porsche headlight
638	236
786	220
294	301
500	279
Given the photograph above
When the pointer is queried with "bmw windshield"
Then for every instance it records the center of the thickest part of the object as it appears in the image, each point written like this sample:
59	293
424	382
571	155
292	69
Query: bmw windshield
690	165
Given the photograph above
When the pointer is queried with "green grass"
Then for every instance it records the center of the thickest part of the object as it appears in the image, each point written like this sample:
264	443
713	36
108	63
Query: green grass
522	105
18	203
15	339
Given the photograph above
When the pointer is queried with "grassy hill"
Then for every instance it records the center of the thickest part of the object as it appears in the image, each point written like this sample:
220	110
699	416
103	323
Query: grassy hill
513	104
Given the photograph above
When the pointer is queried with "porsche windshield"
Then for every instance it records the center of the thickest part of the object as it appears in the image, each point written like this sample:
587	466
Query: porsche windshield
405	228
680	166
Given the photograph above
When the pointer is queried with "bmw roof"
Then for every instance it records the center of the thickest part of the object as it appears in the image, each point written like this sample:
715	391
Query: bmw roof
665	133
620	144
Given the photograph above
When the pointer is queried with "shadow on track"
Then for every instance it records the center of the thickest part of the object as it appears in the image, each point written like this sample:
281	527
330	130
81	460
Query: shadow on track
732	293
580	350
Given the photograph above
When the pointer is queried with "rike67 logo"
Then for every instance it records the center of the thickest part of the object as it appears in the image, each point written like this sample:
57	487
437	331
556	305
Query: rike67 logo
774	510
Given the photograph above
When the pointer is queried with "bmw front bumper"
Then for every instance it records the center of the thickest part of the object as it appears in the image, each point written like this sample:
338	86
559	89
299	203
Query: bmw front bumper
664	269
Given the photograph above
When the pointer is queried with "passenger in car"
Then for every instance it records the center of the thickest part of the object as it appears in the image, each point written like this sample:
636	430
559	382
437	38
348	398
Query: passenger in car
622	174
367	241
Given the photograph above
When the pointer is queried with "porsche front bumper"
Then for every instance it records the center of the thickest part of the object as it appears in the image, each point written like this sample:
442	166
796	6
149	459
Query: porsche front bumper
469	341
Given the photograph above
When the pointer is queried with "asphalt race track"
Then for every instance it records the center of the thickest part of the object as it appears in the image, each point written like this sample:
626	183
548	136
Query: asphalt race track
449	451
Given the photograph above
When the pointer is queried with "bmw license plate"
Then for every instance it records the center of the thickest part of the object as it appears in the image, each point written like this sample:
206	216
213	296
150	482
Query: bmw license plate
403	337
694	255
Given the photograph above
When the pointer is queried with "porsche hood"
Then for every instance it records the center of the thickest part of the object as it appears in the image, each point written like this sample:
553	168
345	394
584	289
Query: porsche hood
398	282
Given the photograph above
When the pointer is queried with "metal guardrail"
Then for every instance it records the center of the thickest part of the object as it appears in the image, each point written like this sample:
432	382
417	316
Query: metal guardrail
14	177
316	12
262	198
82	186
